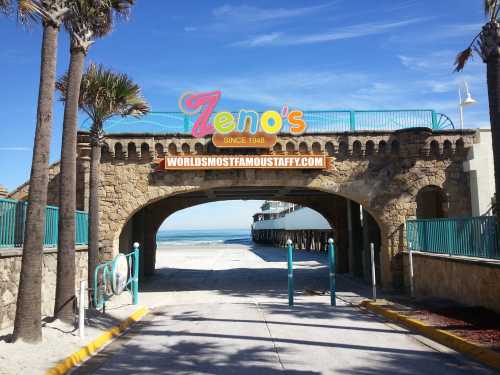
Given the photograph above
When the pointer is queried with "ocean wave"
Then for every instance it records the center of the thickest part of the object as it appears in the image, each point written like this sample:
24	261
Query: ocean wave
202	242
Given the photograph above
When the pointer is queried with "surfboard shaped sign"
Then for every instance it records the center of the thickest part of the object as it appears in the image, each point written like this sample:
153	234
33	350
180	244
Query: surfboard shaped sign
246	129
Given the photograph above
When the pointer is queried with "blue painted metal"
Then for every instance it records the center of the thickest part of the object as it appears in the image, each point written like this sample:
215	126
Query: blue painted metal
290	272
318	121
331	268
13	219
102	287
469	237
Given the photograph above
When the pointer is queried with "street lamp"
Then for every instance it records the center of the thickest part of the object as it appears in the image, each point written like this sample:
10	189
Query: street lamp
467	102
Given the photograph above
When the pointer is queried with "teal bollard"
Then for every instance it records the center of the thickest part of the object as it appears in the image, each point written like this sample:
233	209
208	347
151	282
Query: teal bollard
331	266
135	277
290	273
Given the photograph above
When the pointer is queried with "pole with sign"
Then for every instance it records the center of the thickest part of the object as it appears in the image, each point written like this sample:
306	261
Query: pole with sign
331	267
290	272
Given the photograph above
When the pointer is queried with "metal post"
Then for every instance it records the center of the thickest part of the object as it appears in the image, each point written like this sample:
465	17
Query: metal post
81	312
374	276
135	277
290	272
410	258
331	267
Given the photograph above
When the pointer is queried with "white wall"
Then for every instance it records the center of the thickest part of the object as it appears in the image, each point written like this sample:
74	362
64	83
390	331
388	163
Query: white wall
303	218
481	173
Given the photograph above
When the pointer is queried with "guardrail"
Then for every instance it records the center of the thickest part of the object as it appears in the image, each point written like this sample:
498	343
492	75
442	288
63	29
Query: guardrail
468	237
318	121
13	223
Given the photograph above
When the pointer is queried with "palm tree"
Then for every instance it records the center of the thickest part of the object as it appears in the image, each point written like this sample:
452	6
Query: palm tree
487	45
50	13
103	94
87	20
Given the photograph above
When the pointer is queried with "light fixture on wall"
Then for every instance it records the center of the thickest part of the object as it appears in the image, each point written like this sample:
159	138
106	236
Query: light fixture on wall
467	102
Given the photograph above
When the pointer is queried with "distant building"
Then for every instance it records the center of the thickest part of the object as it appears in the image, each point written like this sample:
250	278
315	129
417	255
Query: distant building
481	173
288	216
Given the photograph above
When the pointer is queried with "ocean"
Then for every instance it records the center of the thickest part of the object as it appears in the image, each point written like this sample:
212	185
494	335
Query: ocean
203	237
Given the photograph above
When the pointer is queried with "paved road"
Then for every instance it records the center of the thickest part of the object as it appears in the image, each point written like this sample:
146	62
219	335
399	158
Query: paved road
223	311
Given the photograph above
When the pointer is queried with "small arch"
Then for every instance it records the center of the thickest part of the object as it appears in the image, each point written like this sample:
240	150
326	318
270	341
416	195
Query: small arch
211	149
447	148
185	148
198	148
303	147
343	148
434	148
159	150
119	151
395	148
105	152
370	148
382	147
145	154
132	150
278	147
290	147
459	146
432	202
316	148
172	149
357	149
330	148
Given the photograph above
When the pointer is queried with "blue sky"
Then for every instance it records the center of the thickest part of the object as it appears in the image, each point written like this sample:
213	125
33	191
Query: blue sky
338	54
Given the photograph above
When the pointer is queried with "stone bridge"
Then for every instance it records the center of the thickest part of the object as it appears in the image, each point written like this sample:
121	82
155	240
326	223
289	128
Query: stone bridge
387	176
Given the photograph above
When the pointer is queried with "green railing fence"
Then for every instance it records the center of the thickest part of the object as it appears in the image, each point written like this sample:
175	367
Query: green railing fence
469	237
317	121
13	218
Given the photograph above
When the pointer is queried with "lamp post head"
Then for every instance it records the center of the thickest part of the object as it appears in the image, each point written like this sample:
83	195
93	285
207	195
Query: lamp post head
330	241
289	242
468	101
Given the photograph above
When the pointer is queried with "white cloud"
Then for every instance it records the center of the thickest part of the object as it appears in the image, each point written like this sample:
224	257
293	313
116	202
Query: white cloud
15	148
251	14
349	32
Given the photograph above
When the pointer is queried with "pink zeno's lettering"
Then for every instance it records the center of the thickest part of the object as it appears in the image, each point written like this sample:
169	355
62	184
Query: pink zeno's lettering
206	102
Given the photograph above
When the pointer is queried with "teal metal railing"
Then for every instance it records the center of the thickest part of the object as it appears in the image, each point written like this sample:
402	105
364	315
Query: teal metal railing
13	218
317	121
468	237
107	278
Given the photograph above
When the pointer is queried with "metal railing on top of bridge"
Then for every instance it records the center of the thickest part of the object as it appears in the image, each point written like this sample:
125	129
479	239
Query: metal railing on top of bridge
318	121
468	237
13	219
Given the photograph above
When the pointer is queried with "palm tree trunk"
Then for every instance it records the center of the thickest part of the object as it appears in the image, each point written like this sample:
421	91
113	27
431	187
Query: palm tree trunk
65	286
94	211
27	325
493	76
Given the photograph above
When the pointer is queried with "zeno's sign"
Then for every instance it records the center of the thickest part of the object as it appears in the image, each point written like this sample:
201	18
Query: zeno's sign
248	129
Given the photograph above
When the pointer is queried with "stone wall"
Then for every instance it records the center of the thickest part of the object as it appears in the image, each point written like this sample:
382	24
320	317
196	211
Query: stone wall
472	282
10	268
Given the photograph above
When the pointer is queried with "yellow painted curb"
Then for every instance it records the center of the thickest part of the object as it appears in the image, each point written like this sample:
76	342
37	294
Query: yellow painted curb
88	350
476	351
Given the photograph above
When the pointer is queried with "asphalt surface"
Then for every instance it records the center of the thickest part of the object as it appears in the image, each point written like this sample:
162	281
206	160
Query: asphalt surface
224	311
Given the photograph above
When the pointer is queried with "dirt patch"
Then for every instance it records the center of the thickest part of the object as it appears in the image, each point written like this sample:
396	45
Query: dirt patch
475	324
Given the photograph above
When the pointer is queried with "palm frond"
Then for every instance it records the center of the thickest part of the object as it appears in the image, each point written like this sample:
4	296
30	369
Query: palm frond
105	93
5	6
95	18
462	59
491	8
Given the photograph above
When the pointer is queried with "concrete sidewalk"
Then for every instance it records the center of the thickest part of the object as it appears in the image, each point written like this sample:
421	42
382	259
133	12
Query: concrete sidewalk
224	311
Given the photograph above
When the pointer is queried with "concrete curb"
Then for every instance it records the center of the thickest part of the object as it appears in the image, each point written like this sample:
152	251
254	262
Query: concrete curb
91	348
475	351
